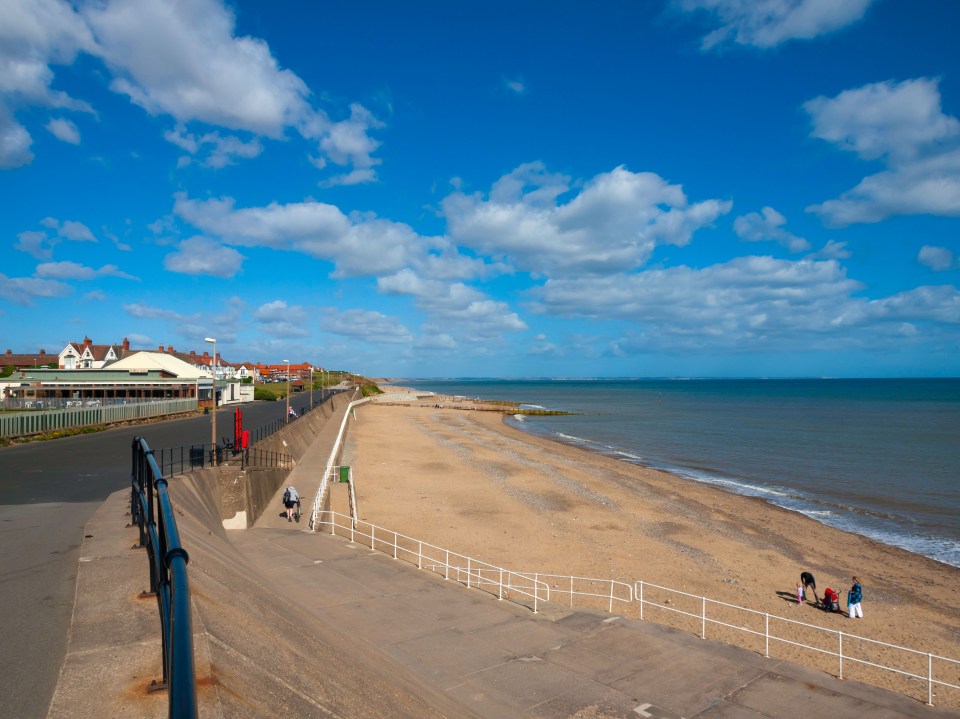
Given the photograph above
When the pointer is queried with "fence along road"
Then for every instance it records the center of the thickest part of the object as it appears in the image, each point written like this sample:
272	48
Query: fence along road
17	424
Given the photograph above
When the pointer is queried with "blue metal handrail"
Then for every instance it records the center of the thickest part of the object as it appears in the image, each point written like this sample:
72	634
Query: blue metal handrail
168	578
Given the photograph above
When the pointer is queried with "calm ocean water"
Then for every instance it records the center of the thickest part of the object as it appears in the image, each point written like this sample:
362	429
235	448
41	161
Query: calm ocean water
876	457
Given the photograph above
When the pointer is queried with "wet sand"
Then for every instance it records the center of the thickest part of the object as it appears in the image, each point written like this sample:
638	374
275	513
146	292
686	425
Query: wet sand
464	480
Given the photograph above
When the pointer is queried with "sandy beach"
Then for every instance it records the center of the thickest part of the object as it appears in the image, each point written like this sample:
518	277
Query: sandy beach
463	479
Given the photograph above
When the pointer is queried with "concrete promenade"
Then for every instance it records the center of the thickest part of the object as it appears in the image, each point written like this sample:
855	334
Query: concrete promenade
291	623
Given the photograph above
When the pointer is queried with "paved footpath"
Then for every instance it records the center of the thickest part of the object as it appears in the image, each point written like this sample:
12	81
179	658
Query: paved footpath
498	659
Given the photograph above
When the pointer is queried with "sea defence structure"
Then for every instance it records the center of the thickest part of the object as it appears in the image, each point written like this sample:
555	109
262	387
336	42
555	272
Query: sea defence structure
292	623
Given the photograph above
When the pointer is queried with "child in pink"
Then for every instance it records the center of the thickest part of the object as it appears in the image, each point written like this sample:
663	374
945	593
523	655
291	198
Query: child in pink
799	594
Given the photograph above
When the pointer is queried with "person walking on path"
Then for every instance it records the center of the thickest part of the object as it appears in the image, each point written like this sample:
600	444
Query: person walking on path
290	500
807	580
854	597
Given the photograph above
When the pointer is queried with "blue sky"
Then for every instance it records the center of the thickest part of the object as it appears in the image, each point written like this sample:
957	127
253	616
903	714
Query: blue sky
675	188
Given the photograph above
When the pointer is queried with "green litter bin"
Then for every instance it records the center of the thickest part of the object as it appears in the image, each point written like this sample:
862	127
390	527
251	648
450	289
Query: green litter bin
345	473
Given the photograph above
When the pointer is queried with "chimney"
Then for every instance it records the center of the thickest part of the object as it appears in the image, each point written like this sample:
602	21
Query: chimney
9	352
160	348
170	349
192	353
42	351
87	341
206	354
126	345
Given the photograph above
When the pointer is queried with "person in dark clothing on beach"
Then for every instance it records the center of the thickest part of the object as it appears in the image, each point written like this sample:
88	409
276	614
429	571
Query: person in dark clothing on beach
807	580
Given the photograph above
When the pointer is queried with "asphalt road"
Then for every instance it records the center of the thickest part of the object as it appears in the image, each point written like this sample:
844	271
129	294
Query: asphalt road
48	491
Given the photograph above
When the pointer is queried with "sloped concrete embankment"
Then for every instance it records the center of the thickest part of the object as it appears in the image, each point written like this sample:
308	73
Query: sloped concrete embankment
246	493
269	656
257	653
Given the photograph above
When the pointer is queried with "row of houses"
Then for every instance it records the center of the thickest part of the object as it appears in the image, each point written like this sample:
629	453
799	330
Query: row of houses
88	355
85	374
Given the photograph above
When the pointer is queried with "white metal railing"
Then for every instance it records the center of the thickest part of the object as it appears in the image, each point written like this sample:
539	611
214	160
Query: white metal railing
608	590
471	572
322	489
919	669
841	646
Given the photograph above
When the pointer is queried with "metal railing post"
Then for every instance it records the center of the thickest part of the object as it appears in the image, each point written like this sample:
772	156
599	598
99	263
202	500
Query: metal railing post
929	679
703	618
395	541
766	635
420	554
500	588
840	652
446	565
468	572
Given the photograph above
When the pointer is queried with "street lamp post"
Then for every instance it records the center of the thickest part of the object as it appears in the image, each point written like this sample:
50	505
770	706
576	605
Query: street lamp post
213	398
288	390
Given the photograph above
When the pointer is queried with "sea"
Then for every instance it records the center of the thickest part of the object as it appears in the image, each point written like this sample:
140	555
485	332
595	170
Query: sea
876	457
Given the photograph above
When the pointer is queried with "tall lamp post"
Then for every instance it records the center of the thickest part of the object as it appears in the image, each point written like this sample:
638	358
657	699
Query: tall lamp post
213	398
288	391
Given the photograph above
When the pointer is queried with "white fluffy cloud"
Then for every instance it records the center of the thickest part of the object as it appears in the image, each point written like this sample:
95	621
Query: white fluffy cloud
358	245
768	224
937	259
76	271
903	125
767	23
217	150
748	304
15	142
23	290
34	35
279	319
179	58
454	306
368	326
885	119
203	256
40	243
613	223
75	231
64	130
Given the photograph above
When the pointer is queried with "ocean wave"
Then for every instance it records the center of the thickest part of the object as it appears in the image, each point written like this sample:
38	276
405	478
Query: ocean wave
735	485
573	438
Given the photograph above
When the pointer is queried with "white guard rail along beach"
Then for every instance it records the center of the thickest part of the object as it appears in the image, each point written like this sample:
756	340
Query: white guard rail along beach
518	588
840	653
921	672
331	460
